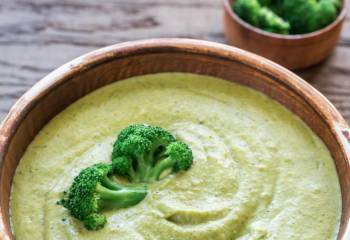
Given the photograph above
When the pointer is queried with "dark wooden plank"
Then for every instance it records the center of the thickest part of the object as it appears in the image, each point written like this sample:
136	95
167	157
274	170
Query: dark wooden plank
36	36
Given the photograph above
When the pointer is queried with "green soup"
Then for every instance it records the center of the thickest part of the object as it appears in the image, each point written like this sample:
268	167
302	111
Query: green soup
259	172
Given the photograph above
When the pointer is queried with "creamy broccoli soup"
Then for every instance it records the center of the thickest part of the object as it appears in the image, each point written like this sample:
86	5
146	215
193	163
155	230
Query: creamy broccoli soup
258	173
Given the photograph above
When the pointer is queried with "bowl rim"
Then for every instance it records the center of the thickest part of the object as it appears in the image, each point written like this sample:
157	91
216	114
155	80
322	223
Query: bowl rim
296	37
322	106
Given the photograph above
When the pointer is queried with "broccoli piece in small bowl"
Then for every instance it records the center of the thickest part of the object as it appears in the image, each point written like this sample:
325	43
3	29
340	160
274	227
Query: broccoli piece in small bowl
309	15
288	16
259	16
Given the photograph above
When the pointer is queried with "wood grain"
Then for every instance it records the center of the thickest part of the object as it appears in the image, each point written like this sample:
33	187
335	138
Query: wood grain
37	36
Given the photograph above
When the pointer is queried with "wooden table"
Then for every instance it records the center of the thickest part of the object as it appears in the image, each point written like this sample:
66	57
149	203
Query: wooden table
37	36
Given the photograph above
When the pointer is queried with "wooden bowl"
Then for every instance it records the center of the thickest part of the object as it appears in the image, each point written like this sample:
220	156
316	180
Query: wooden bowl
292	51
96	69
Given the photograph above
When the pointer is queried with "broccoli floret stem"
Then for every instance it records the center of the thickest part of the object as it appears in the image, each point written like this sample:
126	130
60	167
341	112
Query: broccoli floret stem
113	185
159	168
146	163
150	160
151	154
132	173
108	183
141	168
120	198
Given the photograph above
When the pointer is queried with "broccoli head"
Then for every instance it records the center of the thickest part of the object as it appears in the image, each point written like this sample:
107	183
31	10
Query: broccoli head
309	15
92	191
143	153
288	16
262	17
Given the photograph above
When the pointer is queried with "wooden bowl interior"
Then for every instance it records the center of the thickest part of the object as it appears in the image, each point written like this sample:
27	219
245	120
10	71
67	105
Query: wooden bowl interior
62	88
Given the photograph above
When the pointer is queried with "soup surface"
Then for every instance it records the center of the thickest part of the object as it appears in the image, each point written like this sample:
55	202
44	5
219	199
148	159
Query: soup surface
259	172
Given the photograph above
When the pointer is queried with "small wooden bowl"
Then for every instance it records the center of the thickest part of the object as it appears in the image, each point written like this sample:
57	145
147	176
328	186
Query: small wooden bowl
85	74
292	51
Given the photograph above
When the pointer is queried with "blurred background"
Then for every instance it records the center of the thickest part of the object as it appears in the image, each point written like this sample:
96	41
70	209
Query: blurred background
37	36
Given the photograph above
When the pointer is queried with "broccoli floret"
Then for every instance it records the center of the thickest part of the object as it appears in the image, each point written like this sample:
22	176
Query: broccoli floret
142	153
274	5
309	15
298	13
177	157
248	10
262	17
93	190
288	16
325	13
269	21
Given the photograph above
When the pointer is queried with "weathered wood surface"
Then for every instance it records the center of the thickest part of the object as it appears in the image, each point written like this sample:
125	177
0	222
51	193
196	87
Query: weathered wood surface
36	36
